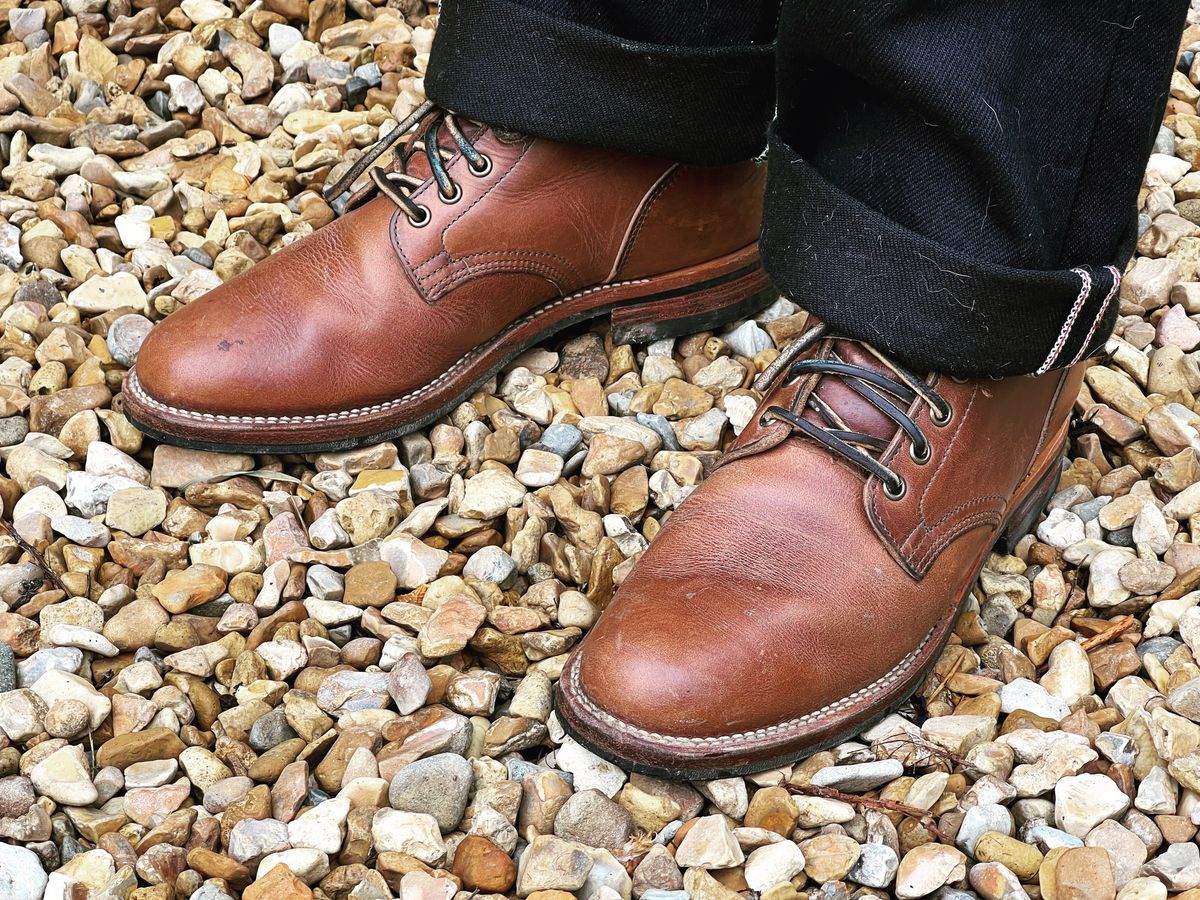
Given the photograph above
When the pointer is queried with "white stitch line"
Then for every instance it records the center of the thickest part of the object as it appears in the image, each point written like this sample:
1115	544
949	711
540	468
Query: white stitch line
879	684
1084	289
1116	276
134	384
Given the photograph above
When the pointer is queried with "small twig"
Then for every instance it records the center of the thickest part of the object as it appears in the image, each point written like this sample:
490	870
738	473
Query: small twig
35	556
1119	627
924	816
954	670
920	744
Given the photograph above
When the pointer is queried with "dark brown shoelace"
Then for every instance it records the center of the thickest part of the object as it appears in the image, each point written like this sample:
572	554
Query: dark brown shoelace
427	120
892	395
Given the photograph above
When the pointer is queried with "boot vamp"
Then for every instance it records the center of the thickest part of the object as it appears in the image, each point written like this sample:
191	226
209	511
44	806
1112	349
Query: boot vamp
330	323
783	584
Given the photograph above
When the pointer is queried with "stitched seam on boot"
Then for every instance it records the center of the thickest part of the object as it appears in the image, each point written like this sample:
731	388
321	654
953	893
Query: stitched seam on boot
135	386
879	684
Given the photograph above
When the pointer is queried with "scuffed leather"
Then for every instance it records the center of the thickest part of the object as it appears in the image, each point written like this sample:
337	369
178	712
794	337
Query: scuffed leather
371	308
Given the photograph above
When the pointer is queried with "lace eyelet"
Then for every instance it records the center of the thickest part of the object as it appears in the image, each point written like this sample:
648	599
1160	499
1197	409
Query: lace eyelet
941	419
897	491
766	420
484	170
425	219
452	198
923	458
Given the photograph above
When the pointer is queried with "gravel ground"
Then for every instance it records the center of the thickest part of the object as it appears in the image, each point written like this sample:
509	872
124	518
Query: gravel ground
227	676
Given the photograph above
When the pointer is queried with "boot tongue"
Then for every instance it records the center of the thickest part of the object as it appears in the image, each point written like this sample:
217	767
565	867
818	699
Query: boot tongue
858	413
418	162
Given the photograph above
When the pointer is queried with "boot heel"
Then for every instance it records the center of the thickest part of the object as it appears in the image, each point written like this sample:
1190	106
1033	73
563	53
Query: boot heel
697	308
1027	511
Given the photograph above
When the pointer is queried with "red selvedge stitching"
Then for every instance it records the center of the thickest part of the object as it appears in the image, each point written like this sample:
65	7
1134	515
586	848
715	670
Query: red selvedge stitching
1084	289
1116	276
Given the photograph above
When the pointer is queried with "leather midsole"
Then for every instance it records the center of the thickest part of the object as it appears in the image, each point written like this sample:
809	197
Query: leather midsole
730	275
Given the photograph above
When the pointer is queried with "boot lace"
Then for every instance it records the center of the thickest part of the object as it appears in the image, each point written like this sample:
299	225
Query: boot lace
397	184
891	394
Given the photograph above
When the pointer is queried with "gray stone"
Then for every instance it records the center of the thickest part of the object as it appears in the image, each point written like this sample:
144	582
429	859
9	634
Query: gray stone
64	659
660	426
125	337
13	430
860	776
591	818
560	438
979	820
876	866
270	730
491	564
437	786
8	668
1160	647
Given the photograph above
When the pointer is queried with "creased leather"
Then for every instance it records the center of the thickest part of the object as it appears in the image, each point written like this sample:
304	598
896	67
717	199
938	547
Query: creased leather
370	308
798	584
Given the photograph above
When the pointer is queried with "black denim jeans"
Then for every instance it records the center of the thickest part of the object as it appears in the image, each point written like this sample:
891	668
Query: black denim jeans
951	180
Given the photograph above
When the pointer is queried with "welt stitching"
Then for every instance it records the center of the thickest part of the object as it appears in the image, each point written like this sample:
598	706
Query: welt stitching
882	683
134	385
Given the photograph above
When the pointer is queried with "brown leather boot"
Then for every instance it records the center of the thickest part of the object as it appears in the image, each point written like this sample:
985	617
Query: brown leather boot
472	247
803	590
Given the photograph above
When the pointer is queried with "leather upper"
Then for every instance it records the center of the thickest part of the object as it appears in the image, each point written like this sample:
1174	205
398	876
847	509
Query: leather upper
797	582
371	307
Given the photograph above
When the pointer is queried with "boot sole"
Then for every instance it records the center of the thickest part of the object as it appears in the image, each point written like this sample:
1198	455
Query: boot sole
728	756
698	298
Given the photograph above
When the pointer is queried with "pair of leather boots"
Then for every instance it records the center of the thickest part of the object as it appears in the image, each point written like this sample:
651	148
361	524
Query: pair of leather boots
805	588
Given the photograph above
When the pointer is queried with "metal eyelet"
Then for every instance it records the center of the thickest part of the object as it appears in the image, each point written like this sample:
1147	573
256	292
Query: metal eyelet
484	170
941	419
766	420
897	492
453	198
425	219
923	458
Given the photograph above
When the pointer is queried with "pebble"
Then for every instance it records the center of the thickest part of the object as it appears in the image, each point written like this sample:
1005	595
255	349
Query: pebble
590	818
21	873
1081	802
774	864
709	844
438	786
859	777
928	867
353	677
552	864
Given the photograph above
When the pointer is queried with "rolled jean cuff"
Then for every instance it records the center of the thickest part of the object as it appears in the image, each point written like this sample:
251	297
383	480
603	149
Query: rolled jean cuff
514	68
929	306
